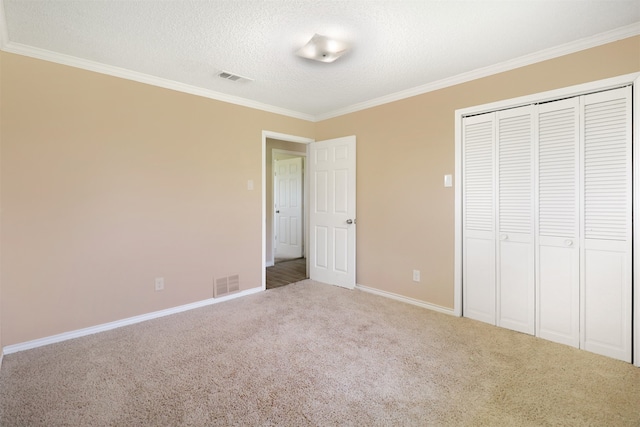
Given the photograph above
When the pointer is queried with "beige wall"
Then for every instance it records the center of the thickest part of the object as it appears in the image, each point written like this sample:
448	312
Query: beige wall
405	215
109	183
274	144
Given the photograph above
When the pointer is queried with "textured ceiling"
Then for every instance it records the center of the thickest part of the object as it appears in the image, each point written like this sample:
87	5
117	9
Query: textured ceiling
397	45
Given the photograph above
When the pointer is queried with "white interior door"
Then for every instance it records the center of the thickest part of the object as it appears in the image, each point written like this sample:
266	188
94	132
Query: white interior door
288	205
478	223
557	216
332	213
515	246
607	237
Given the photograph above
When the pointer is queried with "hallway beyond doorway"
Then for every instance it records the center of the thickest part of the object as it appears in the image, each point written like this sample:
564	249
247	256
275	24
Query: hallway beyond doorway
286	272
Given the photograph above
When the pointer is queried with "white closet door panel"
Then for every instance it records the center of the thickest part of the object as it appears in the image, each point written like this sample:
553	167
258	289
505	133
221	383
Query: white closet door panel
557	207
515	267
478	261
607	228
557	293
479	277
516	284
607	301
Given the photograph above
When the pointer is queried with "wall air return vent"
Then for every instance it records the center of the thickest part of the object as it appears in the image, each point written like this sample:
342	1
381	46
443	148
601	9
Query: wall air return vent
226	285
233	77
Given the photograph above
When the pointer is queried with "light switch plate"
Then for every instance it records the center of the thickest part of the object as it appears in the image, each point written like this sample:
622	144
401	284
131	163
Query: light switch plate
448	180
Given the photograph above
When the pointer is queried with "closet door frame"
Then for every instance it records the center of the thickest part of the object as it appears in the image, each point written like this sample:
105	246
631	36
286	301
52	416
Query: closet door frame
582	89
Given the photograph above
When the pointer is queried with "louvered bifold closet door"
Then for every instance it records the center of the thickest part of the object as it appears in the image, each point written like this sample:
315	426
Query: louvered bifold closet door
557	217
478	258
515	281
607	229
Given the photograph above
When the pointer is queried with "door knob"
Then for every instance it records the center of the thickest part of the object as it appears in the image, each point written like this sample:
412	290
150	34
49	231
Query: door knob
504	237
349	221
568	242
277	211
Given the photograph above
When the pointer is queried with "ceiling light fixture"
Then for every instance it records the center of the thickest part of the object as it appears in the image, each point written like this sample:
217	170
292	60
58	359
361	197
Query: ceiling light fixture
322	48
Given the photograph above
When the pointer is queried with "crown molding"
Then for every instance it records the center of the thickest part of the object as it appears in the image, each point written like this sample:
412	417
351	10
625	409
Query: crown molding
123	73
543	55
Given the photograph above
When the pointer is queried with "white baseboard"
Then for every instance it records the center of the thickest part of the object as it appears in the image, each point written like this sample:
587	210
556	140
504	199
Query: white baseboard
407	300
120	323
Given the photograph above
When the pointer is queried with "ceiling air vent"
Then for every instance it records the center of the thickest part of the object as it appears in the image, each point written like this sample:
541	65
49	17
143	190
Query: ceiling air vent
233	77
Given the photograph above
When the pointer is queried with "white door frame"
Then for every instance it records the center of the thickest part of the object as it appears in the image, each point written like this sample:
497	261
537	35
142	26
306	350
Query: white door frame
611	83
304	200
281	137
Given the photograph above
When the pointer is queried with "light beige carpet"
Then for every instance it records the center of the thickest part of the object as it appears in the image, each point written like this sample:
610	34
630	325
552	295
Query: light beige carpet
309	354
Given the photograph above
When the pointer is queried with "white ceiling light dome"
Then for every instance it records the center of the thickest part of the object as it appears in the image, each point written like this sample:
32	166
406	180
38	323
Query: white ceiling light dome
322	48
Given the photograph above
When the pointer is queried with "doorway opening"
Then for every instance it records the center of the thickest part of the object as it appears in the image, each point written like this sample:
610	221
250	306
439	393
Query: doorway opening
284	209
287	205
